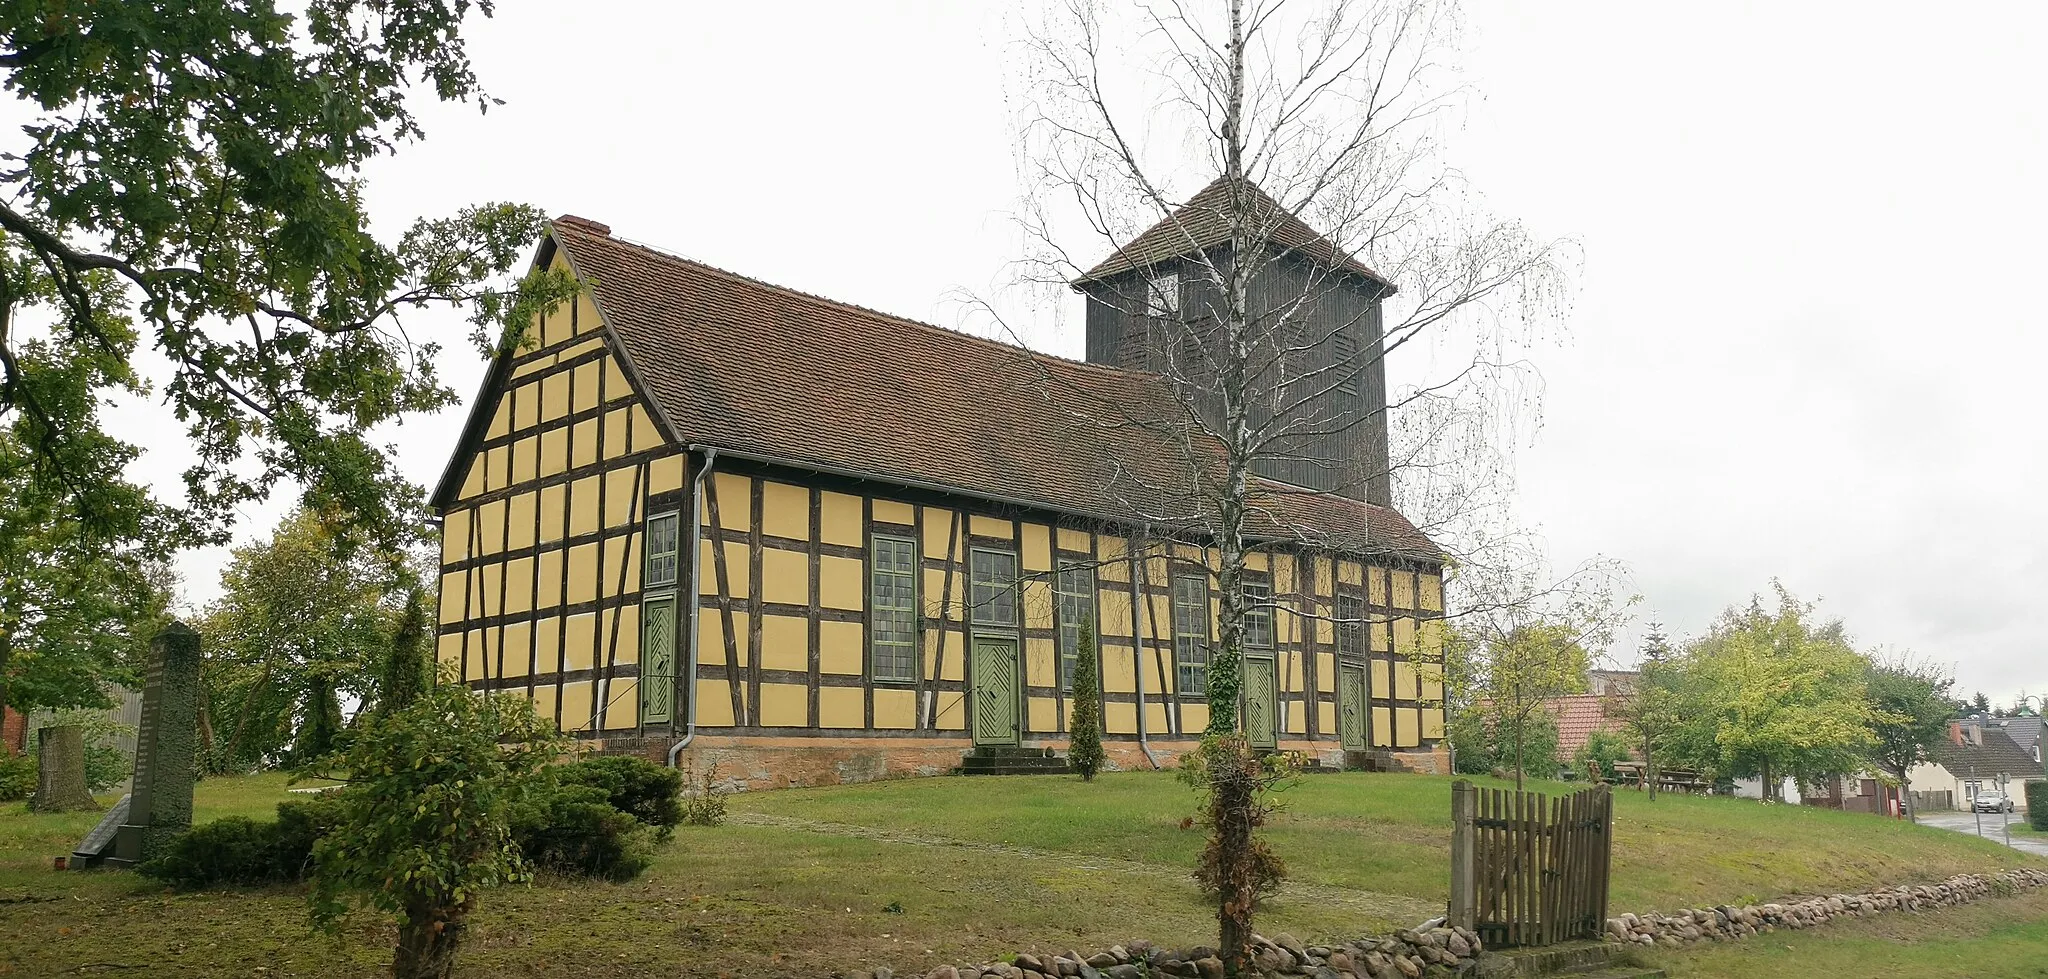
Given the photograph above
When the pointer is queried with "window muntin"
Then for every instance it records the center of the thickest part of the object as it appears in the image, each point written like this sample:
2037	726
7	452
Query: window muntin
664	549
993	591
892	610
1350	627
1258	616
1191	633
1074	603
1162	294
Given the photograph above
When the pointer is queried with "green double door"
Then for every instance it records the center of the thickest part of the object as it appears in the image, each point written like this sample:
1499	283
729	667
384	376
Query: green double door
997	702
1261	702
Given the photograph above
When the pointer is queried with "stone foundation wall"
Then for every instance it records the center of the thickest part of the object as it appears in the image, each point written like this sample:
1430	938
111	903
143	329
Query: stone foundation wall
1402	955
1733	923
748	763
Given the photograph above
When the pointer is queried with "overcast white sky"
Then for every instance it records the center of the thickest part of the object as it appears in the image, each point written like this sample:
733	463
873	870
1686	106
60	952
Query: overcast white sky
1805	342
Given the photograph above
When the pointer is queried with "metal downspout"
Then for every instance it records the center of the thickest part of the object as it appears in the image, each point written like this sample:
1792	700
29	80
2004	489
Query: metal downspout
1138	603
696	590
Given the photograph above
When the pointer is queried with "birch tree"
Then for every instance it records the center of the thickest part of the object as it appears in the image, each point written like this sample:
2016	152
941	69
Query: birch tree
1313	130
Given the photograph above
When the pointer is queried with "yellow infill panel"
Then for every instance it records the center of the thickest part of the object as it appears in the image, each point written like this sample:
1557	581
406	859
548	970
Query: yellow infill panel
895	709
785	575
785	643
839	649
784	705
841	707
839	519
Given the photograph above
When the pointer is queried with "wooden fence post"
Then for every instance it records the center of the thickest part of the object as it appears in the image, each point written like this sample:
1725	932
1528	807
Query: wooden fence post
1464	909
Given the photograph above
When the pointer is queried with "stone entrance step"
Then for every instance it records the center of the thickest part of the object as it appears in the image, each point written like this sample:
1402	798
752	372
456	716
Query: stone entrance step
1012	760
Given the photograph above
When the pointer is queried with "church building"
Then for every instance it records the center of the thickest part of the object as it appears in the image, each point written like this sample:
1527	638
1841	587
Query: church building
714	521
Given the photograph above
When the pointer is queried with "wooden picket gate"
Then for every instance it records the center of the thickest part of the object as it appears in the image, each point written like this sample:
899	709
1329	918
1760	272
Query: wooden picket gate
1527	869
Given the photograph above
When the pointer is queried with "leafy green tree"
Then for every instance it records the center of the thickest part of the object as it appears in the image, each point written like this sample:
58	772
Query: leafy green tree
1600	753
1519	673
302	622
424	827
1084	723
1650	709
1769	693
1910	711
194	179
75	616
1980	704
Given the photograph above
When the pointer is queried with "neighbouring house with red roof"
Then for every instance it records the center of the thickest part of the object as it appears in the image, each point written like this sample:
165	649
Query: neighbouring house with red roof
711	520
1578	716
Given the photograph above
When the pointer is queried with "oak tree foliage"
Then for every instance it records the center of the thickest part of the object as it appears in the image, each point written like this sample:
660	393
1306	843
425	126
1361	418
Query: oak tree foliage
185	217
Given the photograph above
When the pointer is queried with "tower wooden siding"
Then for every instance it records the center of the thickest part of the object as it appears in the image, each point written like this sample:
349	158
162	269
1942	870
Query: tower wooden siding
1120	332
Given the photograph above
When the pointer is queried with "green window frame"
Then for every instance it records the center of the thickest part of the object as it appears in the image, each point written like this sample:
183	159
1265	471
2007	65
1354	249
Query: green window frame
1258	621
892	610
992	578
1350	626
1074	603
664	551
1191	633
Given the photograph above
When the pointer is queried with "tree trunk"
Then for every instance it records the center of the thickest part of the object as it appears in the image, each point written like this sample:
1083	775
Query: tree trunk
1770	786
1649	770
428	939
60	779
1518	755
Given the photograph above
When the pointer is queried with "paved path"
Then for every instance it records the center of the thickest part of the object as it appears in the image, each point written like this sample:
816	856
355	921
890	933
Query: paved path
1963	822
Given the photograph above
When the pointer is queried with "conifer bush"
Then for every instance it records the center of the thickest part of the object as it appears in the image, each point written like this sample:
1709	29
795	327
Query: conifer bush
1084	725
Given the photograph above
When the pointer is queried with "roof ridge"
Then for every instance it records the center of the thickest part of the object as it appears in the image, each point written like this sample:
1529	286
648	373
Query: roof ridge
590	226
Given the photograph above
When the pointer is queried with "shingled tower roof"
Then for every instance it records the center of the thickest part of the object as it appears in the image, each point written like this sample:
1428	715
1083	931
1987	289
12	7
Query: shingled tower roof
1205	221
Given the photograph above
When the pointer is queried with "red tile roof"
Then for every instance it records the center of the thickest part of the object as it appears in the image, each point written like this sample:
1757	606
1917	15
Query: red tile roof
1206	220
749	367
1578	716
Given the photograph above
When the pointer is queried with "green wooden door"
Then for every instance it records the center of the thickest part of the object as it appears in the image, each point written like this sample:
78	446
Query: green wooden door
1351	706
995	691
657	659
1261	702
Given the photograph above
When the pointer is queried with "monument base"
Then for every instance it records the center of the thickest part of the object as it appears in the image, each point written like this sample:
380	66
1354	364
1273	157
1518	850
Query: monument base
98	845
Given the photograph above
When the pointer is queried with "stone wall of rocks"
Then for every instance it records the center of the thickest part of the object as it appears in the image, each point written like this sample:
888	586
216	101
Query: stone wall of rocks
1406	954
1733	923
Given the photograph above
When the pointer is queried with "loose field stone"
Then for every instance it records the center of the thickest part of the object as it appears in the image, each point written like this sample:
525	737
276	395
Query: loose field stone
1103	960
1209	967
943	972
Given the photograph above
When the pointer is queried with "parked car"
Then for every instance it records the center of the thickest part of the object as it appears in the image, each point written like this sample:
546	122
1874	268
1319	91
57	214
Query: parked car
1991	802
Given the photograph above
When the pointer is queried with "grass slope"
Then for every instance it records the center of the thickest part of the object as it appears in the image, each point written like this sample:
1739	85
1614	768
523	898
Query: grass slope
915	874
1391	834
1999	939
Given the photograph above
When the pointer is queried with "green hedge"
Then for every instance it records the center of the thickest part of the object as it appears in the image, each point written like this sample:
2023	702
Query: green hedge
2037	805
238	851
593	818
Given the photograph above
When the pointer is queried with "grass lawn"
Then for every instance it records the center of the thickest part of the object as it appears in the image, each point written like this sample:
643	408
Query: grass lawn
1996	939
913	874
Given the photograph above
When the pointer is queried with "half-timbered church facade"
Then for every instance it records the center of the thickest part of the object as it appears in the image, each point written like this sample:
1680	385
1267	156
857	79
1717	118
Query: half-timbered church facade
710	520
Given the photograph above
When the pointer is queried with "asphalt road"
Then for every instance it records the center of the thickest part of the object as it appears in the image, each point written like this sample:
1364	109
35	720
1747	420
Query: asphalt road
1963	822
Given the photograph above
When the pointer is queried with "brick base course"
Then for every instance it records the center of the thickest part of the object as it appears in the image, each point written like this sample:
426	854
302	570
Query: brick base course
764	762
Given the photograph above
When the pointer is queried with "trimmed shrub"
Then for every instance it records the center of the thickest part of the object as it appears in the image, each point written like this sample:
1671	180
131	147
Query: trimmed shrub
228	851
237	851
575	829
2037	805
1084	726
650	793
